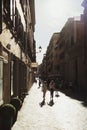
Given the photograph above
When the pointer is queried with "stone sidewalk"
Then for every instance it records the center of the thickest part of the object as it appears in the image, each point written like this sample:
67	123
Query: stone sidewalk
65	114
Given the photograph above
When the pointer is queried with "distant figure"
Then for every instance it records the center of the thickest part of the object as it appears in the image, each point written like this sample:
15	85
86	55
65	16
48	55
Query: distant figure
35	80
44	89
52	88
39	83
56	87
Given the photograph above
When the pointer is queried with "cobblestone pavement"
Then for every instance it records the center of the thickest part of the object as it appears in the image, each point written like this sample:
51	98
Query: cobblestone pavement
65	114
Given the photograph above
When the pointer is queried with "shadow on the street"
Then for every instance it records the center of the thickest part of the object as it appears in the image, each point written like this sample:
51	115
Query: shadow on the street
81	96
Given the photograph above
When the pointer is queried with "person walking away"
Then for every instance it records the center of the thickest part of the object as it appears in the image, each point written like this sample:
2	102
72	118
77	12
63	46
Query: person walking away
56	87
52	88
39	83
44	89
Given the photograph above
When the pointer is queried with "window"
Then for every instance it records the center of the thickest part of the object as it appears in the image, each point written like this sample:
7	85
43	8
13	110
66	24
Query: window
6	7
12	11
1	81
0	16
72	41
61	45
11	78
62	55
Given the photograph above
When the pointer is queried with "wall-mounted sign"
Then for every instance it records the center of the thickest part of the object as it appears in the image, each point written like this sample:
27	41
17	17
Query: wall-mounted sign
34	64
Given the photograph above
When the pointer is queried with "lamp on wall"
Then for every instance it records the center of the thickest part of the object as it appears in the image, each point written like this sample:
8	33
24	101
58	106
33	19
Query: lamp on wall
8	46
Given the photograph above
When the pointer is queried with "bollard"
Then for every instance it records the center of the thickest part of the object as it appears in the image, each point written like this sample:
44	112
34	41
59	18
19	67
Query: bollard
17	103
7	114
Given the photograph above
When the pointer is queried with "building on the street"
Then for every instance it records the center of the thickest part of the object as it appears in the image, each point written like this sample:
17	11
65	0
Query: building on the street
84	19
66	52
17	47
74	53
71	53
51	55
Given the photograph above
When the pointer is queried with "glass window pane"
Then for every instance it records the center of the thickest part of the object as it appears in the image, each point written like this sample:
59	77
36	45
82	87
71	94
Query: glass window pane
12	78
1	81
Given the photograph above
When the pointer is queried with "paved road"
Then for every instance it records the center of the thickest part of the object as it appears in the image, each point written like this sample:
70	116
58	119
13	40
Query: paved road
65	114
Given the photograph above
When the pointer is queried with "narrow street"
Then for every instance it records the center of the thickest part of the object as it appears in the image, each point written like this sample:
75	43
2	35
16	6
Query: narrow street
65	114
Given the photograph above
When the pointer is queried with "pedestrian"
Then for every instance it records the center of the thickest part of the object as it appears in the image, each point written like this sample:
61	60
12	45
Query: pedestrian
44	89
56	87
39	83
52	88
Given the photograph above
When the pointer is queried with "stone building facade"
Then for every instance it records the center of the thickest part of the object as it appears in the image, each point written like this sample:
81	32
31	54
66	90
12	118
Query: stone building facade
17	47
67	59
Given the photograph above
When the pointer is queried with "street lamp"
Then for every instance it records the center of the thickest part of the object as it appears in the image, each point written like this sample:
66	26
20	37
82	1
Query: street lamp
40	49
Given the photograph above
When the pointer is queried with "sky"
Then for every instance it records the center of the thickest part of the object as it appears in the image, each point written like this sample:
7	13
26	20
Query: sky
51	16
